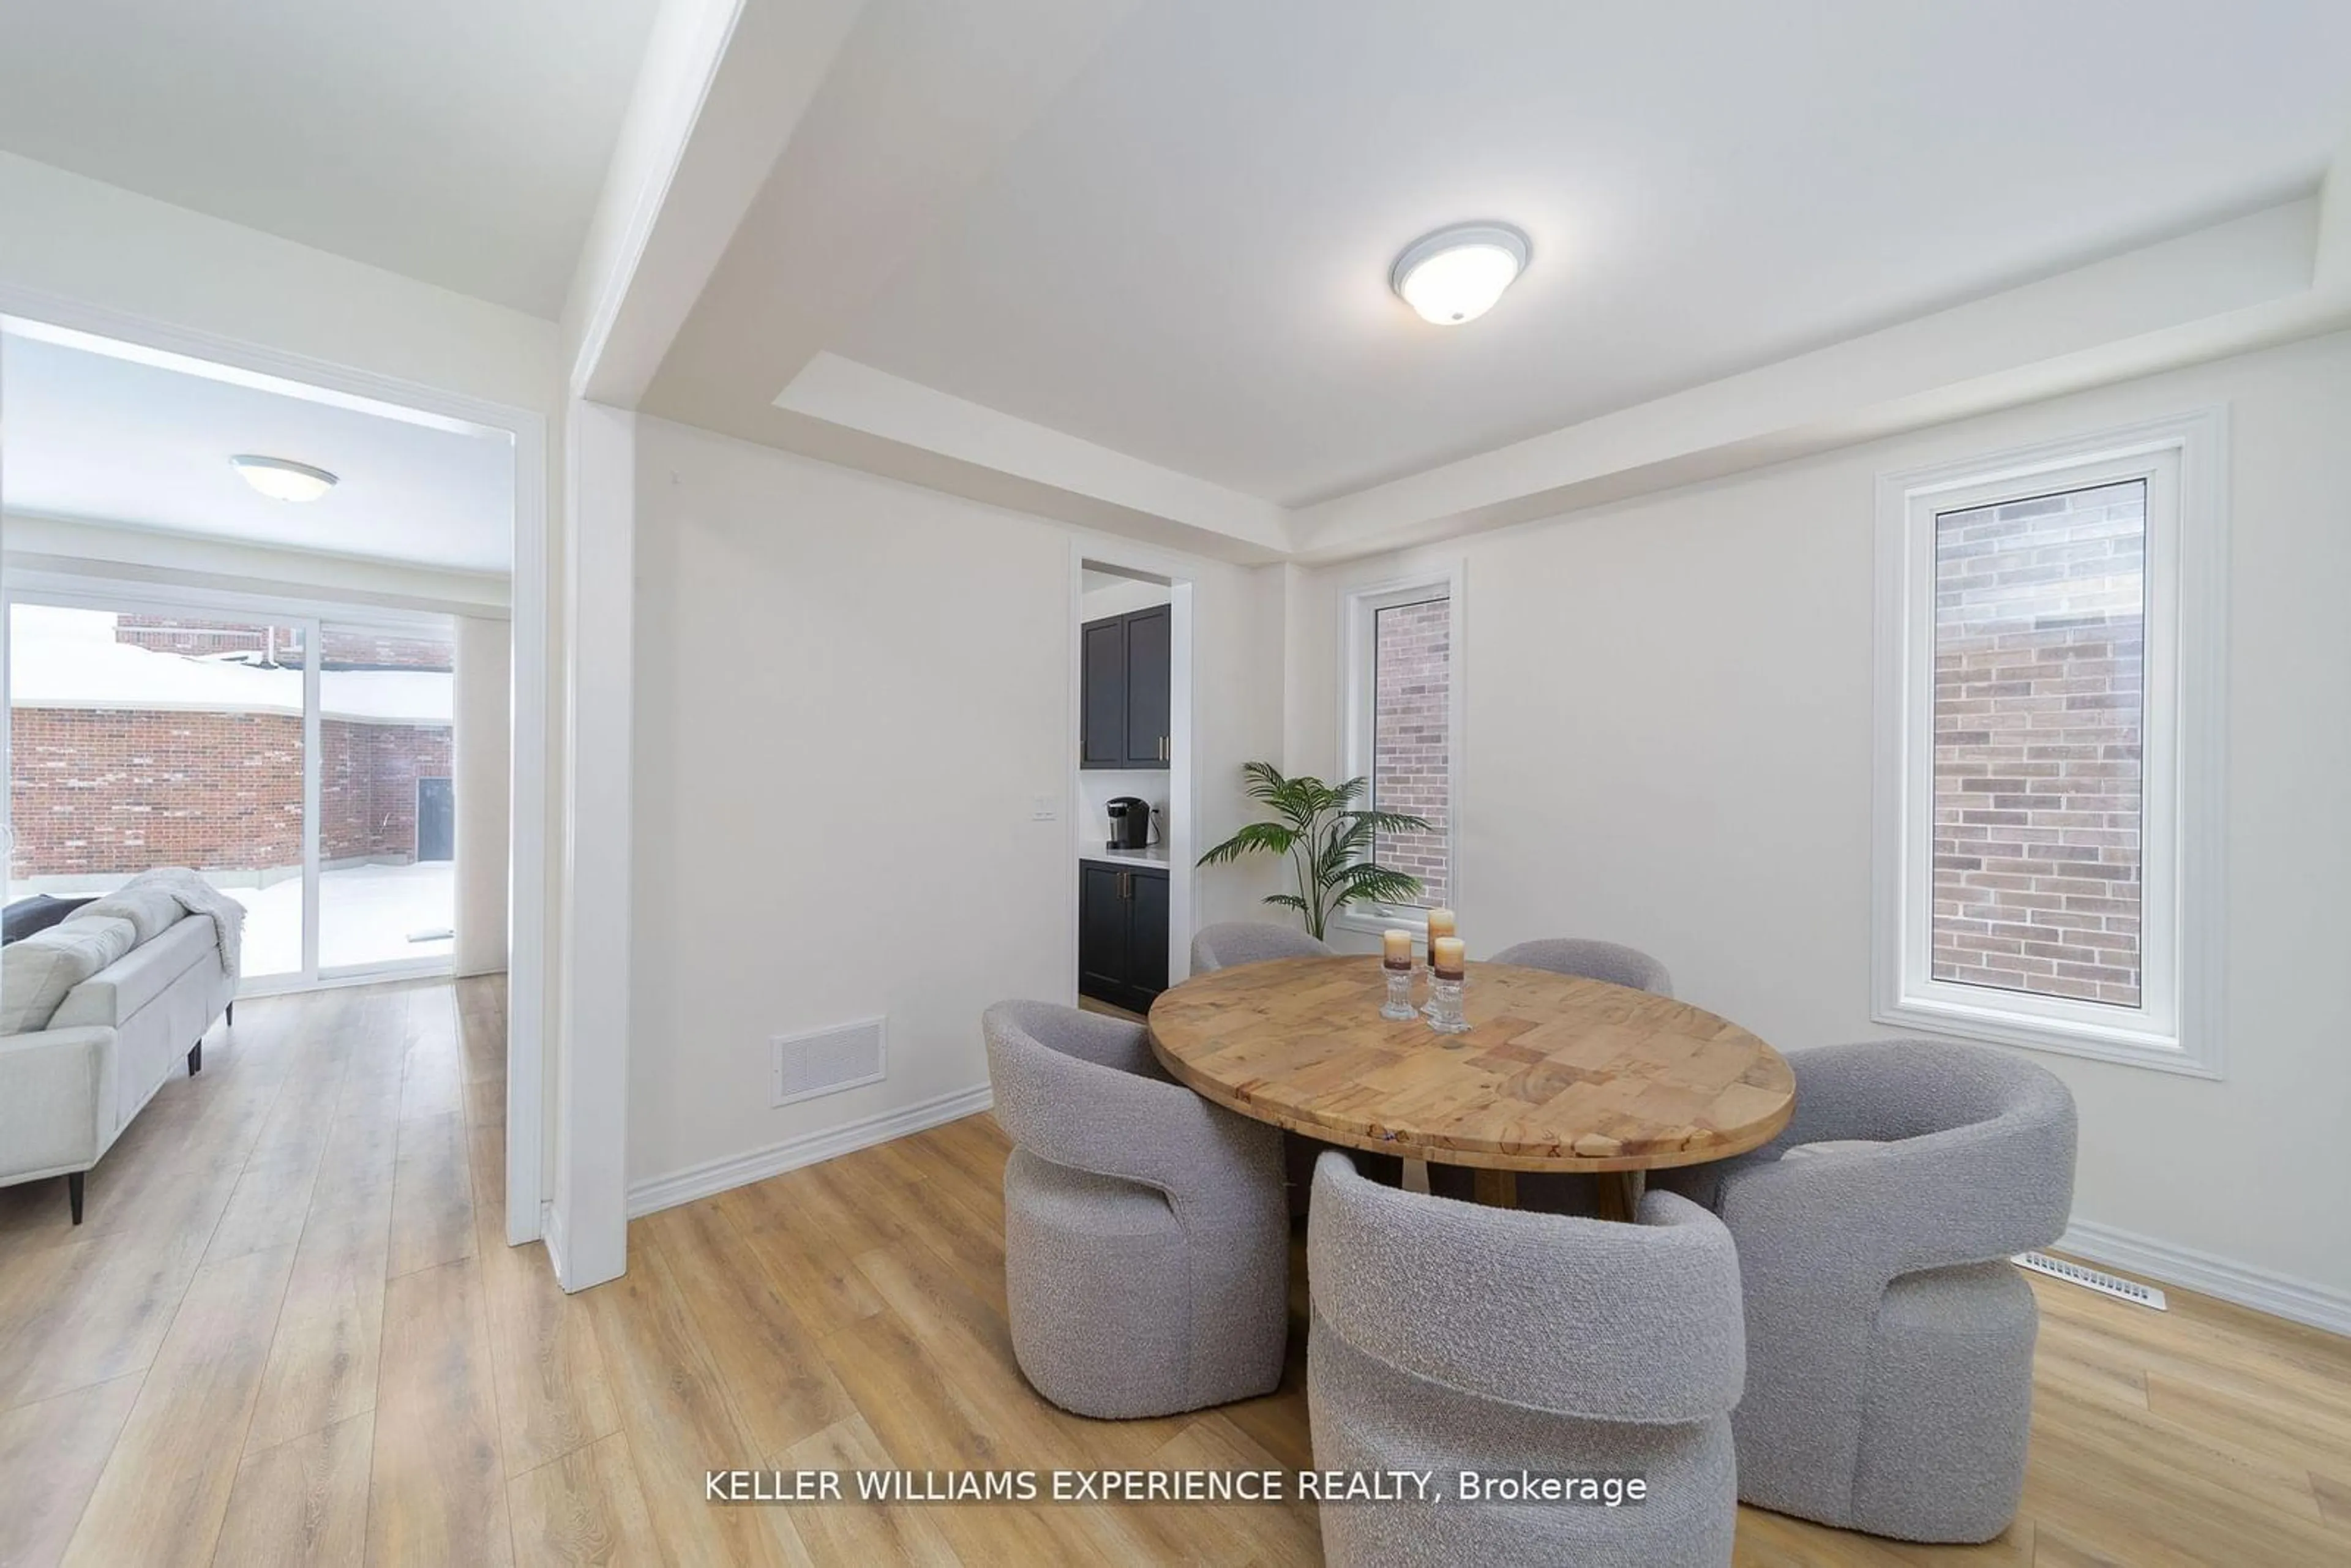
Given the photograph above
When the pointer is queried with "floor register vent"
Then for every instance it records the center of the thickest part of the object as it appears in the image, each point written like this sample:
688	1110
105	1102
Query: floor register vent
826	1062
2097	1280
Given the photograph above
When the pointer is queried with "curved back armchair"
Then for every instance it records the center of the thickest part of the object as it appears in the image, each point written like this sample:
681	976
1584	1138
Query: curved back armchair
1890	1384
1452	1337
1237	942
1593	960
1146	1250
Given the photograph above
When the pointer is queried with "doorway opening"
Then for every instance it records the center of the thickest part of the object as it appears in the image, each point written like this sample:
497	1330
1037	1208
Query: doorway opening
1134	787
334	710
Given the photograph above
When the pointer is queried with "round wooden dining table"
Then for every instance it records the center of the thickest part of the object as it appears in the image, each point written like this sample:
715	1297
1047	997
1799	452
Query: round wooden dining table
1556	1073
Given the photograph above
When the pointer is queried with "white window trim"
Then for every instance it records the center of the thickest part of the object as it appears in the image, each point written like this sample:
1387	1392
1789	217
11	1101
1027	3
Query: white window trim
2178	1027
1358	603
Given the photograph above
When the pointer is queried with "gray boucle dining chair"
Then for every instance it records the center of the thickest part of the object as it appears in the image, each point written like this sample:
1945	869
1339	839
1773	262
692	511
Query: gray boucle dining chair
1237	942
1890	1383
1449	1337
1147	1247
1593	960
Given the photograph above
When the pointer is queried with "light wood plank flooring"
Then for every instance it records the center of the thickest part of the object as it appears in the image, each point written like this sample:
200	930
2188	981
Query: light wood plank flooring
290	1333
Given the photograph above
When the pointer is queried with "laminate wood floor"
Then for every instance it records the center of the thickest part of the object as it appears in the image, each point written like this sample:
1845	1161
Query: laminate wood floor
290	1333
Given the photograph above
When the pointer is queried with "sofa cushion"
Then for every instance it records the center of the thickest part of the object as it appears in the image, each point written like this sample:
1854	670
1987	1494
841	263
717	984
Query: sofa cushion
151	910
38	913
36	974
121	989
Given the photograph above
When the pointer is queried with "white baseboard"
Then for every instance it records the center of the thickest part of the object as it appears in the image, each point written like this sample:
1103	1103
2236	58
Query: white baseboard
739	1170
2263	1291
551	1235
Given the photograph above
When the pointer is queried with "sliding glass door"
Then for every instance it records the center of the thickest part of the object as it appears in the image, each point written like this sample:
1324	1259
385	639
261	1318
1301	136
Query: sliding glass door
301	763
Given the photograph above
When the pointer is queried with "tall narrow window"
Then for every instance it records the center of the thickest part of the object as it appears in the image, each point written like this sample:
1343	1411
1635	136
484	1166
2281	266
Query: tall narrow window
1400	729
2048	835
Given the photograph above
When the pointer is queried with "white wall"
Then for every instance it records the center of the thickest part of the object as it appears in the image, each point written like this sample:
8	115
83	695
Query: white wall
148	555
83	240
1668	742
850	693
483	757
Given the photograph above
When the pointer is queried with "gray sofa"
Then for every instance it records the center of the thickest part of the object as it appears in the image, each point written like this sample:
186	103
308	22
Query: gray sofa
1890	1383
1450	1337
1146	1253
95	1014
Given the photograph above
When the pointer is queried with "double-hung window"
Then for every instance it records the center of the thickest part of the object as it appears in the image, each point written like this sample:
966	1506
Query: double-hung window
1400	728
2049	762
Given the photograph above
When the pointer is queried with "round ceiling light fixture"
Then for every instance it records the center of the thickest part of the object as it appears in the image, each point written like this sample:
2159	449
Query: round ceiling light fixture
1455	274
282	479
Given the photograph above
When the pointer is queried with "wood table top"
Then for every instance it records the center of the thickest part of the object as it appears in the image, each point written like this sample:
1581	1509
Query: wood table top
1557	1073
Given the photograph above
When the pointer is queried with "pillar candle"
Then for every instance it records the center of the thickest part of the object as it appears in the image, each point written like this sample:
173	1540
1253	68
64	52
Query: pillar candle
1395	949
1440	923
1445	956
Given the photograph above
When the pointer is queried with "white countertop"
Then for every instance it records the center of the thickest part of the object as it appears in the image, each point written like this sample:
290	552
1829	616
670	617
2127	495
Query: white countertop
1155	857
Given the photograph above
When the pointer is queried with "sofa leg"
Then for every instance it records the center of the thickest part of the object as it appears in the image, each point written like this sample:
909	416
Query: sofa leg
195	1059
232	1013
73	1193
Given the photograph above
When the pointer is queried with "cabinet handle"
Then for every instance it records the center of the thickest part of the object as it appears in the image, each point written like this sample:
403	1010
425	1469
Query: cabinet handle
1126	884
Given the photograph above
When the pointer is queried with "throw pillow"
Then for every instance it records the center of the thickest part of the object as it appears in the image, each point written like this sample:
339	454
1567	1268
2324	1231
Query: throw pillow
36	972
38	913
149	910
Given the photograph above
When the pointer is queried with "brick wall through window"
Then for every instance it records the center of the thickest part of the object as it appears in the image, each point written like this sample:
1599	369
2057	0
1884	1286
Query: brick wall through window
2040	610
1411	770
101	791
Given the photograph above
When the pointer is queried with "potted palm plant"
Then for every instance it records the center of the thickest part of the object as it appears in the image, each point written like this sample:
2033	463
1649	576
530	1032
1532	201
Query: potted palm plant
1329	841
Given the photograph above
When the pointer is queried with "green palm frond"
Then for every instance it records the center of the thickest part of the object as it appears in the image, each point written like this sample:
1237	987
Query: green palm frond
1271	837
1330	841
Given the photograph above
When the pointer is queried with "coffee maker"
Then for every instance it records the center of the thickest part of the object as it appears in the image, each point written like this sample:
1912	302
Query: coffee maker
1130	822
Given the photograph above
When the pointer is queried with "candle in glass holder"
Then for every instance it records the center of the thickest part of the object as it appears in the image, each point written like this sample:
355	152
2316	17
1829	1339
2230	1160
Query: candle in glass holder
1440	923
1396	961
1445	956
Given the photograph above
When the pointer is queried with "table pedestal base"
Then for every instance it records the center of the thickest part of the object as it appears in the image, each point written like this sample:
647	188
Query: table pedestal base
1620	1195
1495	1189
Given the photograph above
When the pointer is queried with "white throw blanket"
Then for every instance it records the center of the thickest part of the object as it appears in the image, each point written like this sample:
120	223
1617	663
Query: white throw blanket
198	896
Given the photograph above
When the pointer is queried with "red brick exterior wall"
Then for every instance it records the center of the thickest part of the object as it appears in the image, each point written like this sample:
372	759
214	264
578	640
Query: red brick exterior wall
2039	632
1410	738
367	787
101	791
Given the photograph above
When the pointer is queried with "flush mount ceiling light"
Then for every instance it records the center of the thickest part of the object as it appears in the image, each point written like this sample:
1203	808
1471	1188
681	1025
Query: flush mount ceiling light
282	479
1456	275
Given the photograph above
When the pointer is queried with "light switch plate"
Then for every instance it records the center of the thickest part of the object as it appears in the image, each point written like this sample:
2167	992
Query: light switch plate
1044	809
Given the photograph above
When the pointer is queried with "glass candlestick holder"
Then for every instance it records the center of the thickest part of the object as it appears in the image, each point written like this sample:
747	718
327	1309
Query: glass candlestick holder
1445	1015
1398	1006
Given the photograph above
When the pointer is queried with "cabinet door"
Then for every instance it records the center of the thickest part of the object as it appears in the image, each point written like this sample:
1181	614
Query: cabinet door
1102	697
1102	934
1150	663
1146	936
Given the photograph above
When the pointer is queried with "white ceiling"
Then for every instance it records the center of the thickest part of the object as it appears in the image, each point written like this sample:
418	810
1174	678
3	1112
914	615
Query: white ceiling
98	439
459	141
1185	258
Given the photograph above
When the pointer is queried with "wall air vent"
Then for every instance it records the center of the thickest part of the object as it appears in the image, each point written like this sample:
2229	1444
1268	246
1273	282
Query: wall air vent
826	1062
2097	1280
